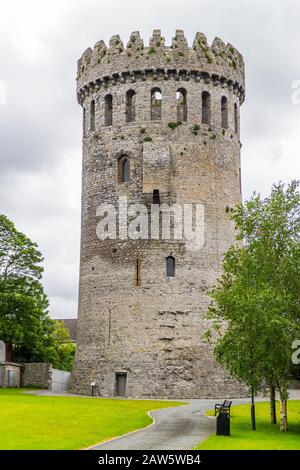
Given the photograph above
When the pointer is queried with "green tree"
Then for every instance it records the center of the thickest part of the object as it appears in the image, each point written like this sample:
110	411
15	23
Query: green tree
24	319
258	294
63	349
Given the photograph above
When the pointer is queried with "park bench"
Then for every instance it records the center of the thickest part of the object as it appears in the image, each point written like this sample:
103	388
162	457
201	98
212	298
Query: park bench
223	407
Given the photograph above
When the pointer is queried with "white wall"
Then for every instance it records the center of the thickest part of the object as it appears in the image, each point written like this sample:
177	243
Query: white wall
60	380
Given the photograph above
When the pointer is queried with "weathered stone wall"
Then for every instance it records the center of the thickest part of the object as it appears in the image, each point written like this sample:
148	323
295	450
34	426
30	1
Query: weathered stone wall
36	374
153	331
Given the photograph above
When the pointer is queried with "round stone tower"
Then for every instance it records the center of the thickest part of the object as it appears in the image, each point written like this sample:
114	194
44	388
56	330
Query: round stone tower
160	126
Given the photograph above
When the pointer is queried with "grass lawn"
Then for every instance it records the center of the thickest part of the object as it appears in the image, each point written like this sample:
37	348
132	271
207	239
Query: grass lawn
266	437
41	422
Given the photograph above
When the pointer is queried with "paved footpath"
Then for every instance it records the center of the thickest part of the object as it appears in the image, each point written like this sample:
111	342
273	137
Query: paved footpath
180	428
177	428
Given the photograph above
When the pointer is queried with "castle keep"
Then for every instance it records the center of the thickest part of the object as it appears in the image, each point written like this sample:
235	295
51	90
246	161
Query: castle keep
160	125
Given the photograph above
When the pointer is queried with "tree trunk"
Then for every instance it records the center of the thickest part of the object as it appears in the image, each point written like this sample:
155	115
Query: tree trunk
273	405
283	412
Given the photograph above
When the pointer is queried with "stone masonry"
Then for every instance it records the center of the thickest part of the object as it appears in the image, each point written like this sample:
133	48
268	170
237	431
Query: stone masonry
150	331
37	374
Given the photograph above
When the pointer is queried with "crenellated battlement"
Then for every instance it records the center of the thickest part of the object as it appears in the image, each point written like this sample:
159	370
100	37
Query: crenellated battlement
219	62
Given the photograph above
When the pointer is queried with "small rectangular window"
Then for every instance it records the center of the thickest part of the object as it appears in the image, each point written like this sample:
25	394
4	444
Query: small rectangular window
156	198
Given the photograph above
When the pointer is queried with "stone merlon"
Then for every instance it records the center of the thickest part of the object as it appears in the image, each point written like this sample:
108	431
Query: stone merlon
218	61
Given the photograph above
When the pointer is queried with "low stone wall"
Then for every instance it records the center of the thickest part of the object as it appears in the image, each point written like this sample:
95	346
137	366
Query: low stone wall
36	374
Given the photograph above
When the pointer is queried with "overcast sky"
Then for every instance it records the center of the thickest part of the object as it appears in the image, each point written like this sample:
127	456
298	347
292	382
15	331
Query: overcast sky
40	123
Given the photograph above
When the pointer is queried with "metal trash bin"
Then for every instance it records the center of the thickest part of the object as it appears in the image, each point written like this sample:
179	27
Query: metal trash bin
223	424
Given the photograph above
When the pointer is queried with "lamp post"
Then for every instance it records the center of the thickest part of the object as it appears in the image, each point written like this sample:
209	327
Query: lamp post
252	410
93	383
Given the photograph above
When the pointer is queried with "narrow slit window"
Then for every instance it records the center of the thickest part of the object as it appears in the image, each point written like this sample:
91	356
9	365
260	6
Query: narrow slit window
138	272
92	116
84	122
108	110
206	108
236	119
130	106
156	104
224	112
181	99
170	266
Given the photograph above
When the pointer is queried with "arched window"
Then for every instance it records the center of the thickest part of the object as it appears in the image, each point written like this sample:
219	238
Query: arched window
224	112
123	169
170	266
236	119
206	108
108	110
92	116
156	104
181	105
84	122
130	106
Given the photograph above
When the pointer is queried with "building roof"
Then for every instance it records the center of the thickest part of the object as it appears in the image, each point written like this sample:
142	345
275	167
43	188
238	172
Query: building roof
15	364
71	325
